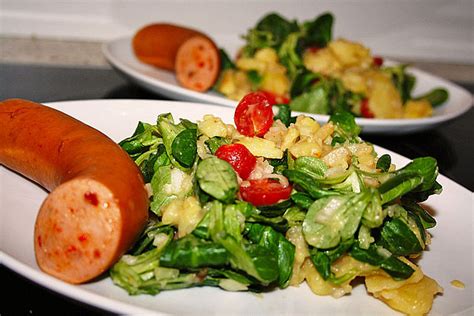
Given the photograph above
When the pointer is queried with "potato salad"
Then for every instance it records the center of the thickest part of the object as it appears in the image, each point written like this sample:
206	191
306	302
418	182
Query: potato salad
275	200
300	64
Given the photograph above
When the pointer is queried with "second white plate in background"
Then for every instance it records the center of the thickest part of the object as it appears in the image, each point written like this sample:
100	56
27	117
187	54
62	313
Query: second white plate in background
120	55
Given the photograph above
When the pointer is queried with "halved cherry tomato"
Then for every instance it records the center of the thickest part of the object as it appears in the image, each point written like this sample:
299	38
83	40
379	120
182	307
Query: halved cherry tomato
239	157
365	110
314	49
266	191
378	61
254	116
275	98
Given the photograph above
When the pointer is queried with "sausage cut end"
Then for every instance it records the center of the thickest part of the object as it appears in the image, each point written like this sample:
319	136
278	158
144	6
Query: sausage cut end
77	231
197	64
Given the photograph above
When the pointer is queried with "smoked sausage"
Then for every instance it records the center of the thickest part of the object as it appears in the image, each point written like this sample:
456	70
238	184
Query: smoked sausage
192	55
97	204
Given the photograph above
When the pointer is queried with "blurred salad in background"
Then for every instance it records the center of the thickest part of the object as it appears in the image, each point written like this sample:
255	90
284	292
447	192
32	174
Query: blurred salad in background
300	64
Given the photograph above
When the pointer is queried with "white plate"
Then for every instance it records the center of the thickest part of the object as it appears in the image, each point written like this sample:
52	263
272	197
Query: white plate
120	55
449	256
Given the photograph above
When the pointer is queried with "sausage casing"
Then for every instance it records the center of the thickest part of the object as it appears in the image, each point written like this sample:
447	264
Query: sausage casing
97	204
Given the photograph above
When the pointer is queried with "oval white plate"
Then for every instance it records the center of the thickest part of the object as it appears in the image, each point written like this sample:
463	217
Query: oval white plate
449	256
120	55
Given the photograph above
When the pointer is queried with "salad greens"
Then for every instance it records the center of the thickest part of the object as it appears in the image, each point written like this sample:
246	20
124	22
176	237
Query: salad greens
288	38
238	246
217	178
317	91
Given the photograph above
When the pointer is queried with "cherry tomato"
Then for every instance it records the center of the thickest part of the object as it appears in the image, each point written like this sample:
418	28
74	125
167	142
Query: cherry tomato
264	191
314	49
365	110
254	116
378	61
239	157
275	98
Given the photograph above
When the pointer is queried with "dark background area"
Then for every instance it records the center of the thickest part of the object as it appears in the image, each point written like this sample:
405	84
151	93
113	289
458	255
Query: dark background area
451	144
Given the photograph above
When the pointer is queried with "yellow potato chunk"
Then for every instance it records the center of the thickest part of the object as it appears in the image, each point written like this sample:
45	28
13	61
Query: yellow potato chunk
227	84
381	281
262	147
306	148
384	99
344	266
306	126
354	81
248	63
413	296
365	155
412	299
417	109
295	236
212	126
290	138
350	54
275	82
234	84
264	60
325	131
184	214
367	163
202	150
322	61
267	55
276	133
320	287
361	149
339	157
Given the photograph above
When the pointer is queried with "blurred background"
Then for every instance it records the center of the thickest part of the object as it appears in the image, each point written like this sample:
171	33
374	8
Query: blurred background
434	35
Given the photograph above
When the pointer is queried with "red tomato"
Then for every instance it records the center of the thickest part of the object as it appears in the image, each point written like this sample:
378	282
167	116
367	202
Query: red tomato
378	61
254	116
365	110
275	98
264	192
314	49
239	157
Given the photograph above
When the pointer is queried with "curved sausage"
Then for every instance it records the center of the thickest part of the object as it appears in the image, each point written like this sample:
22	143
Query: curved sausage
157	44
193	56
98	203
